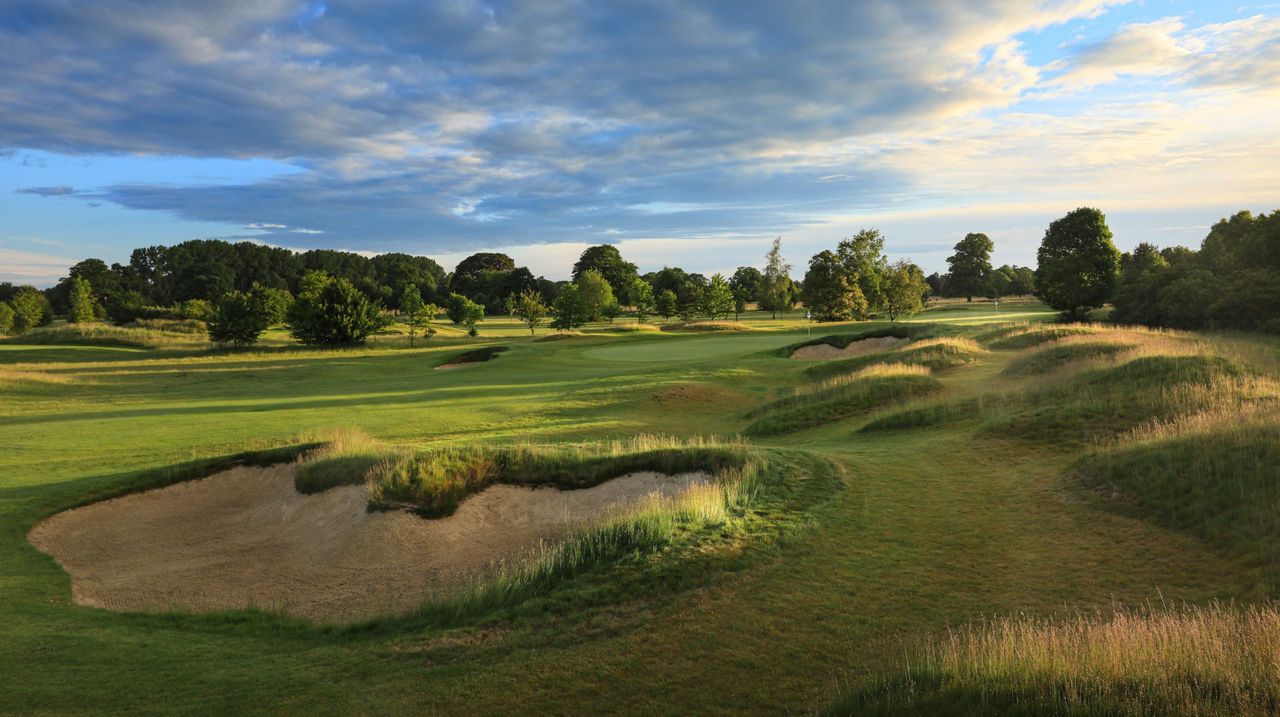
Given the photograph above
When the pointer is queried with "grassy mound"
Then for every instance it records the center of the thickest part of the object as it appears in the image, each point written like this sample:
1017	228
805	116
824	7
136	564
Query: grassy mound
479	355
1058	354
932	414
708	326
1035	335
1098	404
433	483
1220	483
632	328
843	397
937	354
841	341
559	336
136	337
1208	661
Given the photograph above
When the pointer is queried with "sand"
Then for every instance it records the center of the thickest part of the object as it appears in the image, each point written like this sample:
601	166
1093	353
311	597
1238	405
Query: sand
826	352
245	538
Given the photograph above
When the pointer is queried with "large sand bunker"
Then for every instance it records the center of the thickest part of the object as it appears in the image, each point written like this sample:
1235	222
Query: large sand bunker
246	538
826	352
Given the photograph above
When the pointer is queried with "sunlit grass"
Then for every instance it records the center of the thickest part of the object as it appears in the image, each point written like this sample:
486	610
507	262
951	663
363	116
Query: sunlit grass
938	353
841	397
1216	660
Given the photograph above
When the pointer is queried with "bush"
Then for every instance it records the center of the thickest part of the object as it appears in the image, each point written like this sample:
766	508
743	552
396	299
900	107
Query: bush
337	314
238	319
30	310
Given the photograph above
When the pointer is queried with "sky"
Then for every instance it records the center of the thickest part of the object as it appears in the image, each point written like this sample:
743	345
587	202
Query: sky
688	134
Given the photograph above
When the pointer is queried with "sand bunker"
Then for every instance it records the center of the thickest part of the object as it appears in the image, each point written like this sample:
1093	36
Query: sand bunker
246	538
826	352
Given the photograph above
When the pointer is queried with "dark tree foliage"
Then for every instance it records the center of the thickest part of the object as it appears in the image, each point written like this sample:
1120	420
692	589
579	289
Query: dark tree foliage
1232	282
936	284
393	272
969	266
606	259
238	319
1077	263
669	278
828	293
338	314
746	283
666	304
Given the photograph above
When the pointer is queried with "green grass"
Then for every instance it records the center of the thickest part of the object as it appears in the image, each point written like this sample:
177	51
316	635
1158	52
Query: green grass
843	397
1055	355
938	354
840	341
865	545
1219	481
1218	660
480	355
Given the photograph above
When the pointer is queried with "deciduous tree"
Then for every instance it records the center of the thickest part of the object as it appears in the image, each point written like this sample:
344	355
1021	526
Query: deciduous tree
1077	263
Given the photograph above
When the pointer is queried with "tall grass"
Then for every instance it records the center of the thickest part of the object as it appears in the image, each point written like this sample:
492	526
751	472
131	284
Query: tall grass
1214	474
639	529
1035	334
841	341
843	396
108	335
937	353
433	482
1215	660
708	326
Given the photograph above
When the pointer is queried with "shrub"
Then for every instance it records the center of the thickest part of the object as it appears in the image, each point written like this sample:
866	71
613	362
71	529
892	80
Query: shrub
337	314
238	319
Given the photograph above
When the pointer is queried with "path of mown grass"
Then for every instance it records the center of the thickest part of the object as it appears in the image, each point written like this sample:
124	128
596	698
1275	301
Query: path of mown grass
933	528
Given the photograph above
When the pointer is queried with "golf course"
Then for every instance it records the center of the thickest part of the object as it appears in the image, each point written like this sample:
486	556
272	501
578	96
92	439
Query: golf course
876	530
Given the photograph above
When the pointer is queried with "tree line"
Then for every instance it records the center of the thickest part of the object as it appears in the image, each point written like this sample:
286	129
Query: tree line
334	297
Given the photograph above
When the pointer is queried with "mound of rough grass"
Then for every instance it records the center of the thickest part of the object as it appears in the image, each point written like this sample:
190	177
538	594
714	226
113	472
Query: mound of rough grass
935	413
843	397
1058	354
631	328
842	341
559	336
1194	661
1100	403
1029	336
109	335
346	457
1216	477
936	353
708	326
432	483
480	355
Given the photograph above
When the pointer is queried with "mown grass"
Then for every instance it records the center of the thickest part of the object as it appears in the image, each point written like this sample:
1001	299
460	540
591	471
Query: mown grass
939	354
1216	660
842	397
708	326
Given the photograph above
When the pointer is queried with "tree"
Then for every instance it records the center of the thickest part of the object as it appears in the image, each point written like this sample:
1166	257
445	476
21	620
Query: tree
746	283
238	318
80	302
828	292
936	285
570	311
608	261
775	286
457	307
689	298
611	311
596	293
970	265
717	300
6	318
666	304
641	293
528	307
1077	263
862	256
275	303
904	289
999	283
669	278
338	314
30	309
417	316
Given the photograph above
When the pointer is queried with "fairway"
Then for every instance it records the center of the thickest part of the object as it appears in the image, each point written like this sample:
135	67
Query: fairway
915	531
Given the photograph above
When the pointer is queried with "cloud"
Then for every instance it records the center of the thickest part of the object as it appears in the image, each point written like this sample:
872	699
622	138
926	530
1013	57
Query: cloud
473	121
60	191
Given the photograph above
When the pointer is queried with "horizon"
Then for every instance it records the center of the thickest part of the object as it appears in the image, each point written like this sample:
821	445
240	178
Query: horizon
687	137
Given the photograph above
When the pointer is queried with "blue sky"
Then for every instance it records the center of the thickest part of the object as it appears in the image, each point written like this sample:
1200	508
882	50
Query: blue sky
686	133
